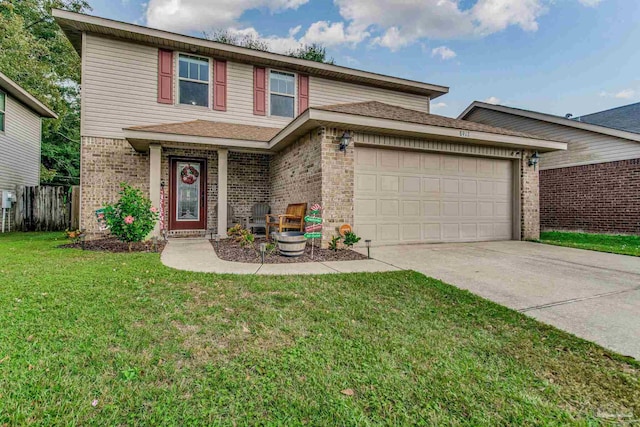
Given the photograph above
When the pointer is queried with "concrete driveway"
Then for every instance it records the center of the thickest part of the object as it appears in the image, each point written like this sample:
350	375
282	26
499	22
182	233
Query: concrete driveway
593	295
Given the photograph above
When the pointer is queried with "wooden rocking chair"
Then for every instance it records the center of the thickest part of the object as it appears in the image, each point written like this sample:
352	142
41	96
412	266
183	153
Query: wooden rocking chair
293	219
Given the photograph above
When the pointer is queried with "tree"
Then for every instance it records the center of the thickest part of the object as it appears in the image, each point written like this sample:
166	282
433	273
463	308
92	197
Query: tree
312	52
250	41
37	55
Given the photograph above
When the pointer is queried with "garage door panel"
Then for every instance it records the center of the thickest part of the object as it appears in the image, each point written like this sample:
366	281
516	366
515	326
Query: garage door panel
366	182
431	208
431	185
431	197
431	163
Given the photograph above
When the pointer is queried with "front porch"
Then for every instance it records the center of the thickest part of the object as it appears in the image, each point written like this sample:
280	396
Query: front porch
199	204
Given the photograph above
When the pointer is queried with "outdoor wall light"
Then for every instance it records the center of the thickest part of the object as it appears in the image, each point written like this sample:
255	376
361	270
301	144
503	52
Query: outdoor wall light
345	139
368	243
534	159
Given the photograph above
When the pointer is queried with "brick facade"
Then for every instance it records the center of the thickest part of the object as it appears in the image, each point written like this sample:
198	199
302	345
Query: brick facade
529	199
601	198
296	173
311	170
105	163
338	175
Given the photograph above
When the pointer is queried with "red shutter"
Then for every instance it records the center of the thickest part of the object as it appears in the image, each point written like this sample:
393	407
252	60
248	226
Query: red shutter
259	91
303	93
220	85
165	76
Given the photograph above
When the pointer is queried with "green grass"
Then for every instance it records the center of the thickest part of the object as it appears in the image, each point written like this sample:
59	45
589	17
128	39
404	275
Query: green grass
157	346
624	245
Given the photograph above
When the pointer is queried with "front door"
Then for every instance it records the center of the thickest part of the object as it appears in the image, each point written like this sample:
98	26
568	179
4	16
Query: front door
188	200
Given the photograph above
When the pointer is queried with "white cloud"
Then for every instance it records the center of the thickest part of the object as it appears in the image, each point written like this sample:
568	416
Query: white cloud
393	24
492	100
590	3
199	15
443	52
438	105
625	94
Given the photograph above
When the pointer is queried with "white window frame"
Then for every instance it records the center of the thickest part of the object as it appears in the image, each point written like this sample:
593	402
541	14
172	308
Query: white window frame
294	96
3	120
209	81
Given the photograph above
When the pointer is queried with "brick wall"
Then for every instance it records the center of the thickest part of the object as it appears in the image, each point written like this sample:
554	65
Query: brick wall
108	162
105	163
602	197
296	174
247	182
529	199
337	183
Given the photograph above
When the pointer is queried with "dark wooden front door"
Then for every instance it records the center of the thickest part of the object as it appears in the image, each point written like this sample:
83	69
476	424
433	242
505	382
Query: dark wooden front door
188	194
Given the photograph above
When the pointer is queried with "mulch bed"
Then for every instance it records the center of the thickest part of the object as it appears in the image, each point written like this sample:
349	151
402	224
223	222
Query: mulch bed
111	244
229	250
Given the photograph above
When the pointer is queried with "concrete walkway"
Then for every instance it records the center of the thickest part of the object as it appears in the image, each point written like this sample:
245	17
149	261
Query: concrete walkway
198	255
593	295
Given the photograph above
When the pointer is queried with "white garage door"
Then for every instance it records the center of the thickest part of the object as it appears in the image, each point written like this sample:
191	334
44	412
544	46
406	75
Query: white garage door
404	197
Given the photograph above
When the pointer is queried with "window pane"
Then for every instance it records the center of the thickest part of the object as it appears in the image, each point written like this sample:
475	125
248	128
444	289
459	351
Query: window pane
2	101
194	93
204	72
194	68
282	83
281	106
184	69
1	122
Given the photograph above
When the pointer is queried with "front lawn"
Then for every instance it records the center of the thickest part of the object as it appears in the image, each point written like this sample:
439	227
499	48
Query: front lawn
620	244
89	338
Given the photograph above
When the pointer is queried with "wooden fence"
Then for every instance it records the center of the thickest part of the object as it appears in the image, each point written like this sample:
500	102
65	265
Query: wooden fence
46	208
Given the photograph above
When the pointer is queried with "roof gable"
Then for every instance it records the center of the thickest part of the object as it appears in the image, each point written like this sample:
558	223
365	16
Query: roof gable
551	119
12	88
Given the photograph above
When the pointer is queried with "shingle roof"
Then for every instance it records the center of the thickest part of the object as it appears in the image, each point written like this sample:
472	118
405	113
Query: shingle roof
211	129
391	112
626	118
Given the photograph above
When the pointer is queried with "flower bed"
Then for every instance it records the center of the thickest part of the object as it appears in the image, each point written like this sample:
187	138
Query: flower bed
230	250
111	244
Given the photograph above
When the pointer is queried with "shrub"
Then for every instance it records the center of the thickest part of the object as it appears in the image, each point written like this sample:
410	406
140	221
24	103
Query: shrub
131	218
350	239
333	244
242	236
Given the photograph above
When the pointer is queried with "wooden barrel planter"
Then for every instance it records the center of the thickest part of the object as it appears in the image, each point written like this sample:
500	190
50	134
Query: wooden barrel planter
291	243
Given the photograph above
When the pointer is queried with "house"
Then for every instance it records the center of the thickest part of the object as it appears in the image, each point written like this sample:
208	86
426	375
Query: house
626	118
594	185
201	125
20	134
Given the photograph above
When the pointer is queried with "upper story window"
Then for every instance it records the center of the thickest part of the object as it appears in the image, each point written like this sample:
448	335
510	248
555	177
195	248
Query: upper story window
193	86
282	91
3	103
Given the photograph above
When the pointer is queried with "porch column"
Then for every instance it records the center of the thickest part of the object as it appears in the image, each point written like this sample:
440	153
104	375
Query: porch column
155	155
223	155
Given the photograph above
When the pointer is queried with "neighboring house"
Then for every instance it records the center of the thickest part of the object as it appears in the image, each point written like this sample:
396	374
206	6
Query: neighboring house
20	134
204	125
595	184
626	118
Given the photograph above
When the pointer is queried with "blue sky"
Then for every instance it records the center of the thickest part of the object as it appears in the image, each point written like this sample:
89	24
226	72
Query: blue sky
554	56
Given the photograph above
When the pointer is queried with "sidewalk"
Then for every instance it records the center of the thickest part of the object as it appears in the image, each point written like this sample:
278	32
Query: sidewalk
198	255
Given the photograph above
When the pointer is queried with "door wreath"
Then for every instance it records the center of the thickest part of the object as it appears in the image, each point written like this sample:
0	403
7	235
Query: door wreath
189	174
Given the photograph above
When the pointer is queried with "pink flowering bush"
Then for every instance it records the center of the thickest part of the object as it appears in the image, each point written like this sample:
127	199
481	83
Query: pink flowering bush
131	218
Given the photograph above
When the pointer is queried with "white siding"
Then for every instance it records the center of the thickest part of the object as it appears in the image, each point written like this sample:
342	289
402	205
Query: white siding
20	146
584	147
119	90
328	92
